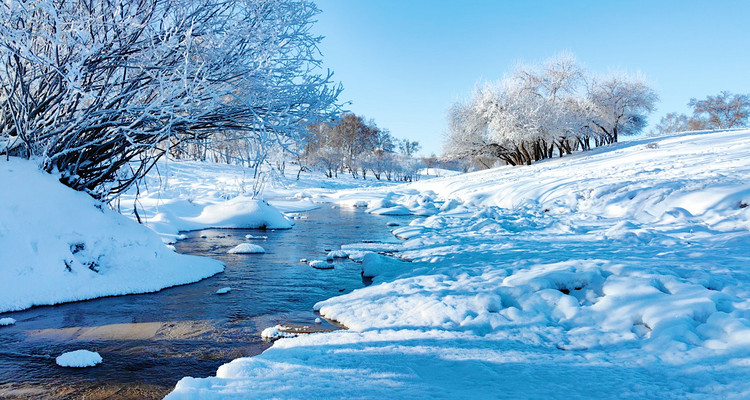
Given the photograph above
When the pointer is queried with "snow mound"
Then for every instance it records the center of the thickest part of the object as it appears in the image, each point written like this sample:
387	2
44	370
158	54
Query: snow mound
58	245
239	212
320	264
275	332
246	248
79	359
336	254
7	321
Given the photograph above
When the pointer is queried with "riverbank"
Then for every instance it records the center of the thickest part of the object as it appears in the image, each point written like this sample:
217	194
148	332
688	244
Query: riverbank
616	273
150	341
58	245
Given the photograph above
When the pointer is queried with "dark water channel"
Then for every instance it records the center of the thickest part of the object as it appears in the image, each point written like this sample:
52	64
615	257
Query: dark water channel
149	341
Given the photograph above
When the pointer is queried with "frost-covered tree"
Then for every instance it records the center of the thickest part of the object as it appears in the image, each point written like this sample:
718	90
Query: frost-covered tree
542	110
100	89
355	145
622	104
408	147
723	111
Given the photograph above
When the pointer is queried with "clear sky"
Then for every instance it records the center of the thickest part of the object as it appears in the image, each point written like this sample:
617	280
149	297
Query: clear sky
404	62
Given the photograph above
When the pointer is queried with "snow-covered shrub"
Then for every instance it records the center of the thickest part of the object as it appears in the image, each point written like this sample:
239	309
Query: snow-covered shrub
101	89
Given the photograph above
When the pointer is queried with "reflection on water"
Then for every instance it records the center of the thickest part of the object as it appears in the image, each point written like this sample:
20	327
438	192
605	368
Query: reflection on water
150	341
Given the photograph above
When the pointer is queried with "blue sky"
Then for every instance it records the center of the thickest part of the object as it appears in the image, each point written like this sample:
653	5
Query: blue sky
403	63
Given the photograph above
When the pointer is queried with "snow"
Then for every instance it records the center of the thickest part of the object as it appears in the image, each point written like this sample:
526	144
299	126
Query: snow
7	321
79	359
224	290
320	264
275	332
58	245
246	248
336	254
382	267
437	172
620	272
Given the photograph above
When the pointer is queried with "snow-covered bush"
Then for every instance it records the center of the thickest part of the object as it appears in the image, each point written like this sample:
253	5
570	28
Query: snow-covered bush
101	89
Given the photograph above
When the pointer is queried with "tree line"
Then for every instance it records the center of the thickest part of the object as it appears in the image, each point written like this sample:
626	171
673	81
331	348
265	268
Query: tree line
546	110
354	145
722	111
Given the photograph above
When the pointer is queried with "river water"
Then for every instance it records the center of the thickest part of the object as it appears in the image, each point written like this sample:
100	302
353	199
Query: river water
149	341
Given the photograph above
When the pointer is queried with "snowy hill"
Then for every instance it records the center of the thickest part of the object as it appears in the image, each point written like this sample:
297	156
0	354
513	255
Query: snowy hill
617	273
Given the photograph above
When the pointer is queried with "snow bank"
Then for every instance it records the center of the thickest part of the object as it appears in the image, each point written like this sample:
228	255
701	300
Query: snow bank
188	195
79	359
59	245
170	216
619	272
375	265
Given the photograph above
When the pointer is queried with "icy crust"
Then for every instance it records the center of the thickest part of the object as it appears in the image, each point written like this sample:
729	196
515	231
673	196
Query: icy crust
79	359
59	245
616	273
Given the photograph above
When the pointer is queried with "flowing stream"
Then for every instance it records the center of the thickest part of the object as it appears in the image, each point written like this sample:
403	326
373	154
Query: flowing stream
149	341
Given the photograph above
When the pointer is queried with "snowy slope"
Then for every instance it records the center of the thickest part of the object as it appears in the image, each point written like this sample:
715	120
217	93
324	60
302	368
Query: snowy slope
618	273
59	245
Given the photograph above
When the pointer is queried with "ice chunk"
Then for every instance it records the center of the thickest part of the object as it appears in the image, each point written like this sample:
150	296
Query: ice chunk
224	290
7	321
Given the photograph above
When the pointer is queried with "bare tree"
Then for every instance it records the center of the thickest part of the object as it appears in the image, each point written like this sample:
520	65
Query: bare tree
723	111
673	122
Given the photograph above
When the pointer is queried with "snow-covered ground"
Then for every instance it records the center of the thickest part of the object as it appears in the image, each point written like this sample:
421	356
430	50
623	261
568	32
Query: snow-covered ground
622	272
59	245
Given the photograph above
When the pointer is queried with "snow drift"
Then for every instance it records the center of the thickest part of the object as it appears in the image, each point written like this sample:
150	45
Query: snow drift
59	245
